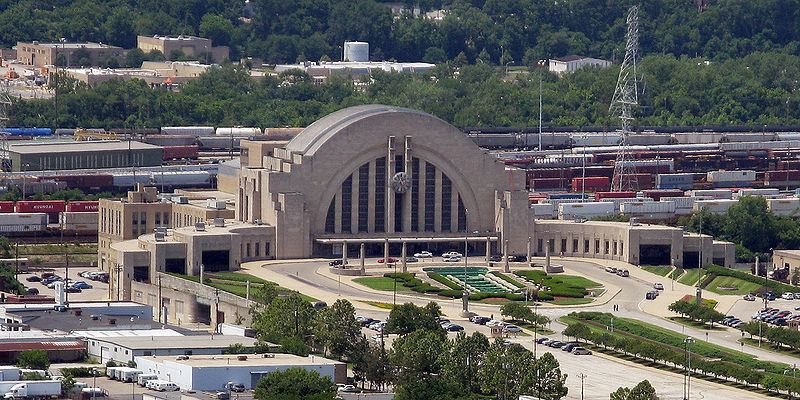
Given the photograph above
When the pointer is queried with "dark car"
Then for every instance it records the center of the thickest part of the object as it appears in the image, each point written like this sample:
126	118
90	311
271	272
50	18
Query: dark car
556	344
72	289
541	340
569	346
336	263
320	305
651	295
480	320
517	258
32	290
33	278
495	257
455	328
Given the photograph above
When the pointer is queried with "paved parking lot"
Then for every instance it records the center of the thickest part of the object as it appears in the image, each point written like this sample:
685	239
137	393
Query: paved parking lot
127	391
99	290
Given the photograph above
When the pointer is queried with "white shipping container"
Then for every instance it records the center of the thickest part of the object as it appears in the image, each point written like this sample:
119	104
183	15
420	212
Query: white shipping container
620	202
182	178
648	163
76	217
718	206
544	211
188	130
731	176
757	192
681	202
647	208
587	210
595	139
23	222
786	206
239	131
714	193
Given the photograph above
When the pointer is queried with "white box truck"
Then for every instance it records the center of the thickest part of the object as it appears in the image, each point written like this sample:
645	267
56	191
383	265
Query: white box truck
127	374
34	390
143	378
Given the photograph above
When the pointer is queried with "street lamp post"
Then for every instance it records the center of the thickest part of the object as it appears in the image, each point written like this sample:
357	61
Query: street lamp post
687	387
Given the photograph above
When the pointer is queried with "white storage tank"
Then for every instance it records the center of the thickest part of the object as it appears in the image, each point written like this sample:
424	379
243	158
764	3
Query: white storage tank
787	206
731	176
182	178
719	206
586	210
356	51
239	131
648	208
188	130
130	180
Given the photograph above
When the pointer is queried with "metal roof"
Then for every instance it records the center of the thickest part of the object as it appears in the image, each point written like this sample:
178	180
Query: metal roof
80	147
178	342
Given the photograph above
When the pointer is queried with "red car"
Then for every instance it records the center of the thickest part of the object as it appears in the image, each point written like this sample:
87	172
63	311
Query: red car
391	260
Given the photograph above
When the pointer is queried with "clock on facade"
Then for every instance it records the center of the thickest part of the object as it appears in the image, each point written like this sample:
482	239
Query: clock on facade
401	183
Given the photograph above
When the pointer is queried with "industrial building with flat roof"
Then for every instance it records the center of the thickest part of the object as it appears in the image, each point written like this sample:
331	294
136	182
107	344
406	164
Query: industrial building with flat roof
190	46
83	155
213	372
127	348
73	54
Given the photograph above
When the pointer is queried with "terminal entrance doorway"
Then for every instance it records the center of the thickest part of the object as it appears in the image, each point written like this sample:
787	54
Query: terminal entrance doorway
654	254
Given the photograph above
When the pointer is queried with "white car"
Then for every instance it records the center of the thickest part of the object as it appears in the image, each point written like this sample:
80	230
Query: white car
423	254
451	259
658	286
451	254
788	296
611	269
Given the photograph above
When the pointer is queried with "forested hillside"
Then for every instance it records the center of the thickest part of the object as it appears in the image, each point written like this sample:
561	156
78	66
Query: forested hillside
523	30
725	62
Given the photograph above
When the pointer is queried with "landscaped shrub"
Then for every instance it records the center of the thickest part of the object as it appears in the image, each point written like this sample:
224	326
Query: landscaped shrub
444	281
413	283
507	279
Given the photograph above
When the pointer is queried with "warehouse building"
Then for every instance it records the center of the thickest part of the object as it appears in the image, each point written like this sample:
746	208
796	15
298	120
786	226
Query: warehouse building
190	46
210	373
126	348
73	54
83	155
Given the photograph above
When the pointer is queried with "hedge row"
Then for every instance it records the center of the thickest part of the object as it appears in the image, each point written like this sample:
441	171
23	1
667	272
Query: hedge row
444	281
778	287
660	354
780	336
558	288
413	283
455	294
507	279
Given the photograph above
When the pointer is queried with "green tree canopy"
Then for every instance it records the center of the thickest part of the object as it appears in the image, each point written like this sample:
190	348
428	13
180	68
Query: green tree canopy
295	384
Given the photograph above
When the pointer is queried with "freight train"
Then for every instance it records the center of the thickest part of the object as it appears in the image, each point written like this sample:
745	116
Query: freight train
48	218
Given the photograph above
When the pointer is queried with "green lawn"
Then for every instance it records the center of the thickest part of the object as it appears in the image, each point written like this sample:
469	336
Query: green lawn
743	286
689	277
571	302
672	338
385	306
578	281
235	276
380	283
676	273
236	283
661	270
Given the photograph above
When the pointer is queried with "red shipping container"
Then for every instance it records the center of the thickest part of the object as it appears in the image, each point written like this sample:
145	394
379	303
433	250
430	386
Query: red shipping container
548	173
593	170
83	206
83	181
548	183
46	206
6	206
591	184
615	195
782	175
656	195
639	181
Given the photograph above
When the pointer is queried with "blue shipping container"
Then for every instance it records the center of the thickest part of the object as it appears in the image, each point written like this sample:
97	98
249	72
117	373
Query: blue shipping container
562	196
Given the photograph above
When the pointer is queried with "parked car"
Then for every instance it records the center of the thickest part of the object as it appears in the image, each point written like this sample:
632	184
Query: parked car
556	344
33	278
788	296
623	273
570	346
423	254
364	321
611	269
658	286
348	389
72	289
454	328
480	320
222	395
541	340
451	259
235	387
581	351
517	258
31	290
750	297
496	258
412	259
82	285
512	329
388	260
336	263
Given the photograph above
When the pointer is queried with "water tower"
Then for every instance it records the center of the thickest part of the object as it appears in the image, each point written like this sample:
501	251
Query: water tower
356	51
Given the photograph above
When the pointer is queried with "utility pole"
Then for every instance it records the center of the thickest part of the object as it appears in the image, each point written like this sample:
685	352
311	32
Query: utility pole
582	376
541	66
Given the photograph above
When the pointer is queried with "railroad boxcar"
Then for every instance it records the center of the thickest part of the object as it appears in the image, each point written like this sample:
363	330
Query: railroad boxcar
657	194
591	184
180	152
83	206
83	181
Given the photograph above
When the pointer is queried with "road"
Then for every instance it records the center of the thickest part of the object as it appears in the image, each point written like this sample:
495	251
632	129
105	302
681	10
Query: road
311	277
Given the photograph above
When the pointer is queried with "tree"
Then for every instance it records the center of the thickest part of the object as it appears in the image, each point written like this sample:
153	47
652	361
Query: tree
337	328
416	359
578	330
434	55
134	58
295	384
33	359
284	317
217	28
407	318
506	370
463	359
549	382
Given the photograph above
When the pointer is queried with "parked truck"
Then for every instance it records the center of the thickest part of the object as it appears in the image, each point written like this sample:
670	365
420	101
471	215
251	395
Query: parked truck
34	390
127	374
143	378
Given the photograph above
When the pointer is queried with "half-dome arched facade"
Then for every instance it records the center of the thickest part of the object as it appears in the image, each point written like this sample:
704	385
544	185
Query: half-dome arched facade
377	172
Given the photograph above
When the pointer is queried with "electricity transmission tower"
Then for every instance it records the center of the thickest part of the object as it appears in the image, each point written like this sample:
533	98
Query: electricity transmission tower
5	105
626	97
